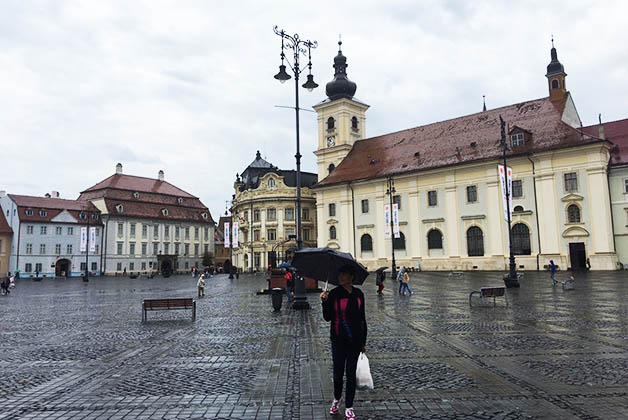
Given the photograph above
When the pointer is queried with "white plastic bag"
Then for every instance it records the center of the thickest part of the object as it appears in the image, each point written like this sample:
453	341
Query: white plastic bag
363	373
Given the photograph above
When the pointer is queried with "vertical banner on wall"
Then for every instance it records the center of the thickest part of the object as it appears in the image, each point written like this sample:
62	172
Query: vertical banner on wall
83	239
235	234
227	235
395	216
387	218
503	175
92	239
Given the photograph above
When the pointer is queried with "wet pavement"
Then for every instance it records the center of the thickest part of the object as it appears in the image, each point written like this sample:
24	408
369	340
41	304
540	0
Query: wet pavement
75	350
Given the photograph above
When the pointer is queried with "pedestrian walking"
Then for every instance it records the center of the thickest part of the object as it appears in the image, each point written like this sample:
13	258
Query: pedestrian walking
344	307
4	286
289	284
12	282
400	278
379	281
201	285
553	272
404	283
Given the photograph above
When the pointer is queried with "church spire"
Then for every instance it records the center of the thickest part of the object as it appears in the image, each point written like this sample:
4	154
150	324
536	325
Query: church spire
556	76
341	86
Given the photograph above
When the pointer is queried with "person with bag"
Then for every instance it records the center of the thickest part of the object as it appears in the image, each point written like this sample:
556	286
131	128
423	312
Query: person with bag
344	308
289	284
404	283
201	285
380	282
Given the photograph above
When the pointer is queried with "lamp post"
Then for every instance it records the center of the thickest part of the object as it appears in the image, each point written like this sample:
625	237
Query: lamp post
510	280
86	215
298	47
391	192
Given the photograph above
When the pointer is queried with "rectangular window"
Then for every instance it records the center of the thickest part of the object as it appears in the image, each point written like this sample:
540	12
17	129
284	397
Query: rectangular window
256	215
365	206
187	232
132	248
155	231
272	234
58	249
290	213
571	181
29	248
29	229
397	201
97	232
94	266
38	268
246	216
120	229
155	248
176	249
432	199
305	214
206	248
144	248
43	230
196	250
119	248
68	249
196	232
83	266
271	214
58	230
28	267
290	232
167	232
258	259
186	250
119	267
332	209
144	231
132	230
517	188
472	194
166	248
96	249
626	185
177	232
256	235
42	249
516	139
306	234
70	231
131	266
144	266
206	233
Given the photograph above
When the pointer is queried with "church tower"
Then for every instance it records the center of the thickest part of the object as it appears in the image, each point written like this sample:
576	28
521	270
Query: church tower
341	119
556	77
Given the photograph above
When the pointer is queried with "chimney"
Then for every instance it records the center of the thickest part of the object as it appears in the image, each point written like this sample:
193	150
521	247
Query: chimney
55	194
119	169
600	129
3	194
160	175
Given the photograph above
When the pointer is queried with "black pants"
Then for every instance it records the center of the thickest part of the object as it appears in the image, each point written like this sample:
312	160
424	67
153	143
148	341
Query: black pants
345	361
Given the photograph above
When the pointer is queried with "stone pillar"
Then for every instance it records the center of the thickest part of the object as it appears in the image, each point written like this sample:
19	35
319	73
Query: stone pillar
412	232
345	232
548	219
321	237
381	244
603	253
452	236
496	225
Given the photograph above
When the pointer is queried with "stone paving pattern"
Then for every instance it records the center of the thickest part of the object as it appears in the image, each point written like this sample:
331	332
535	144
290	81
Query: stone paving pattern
74	350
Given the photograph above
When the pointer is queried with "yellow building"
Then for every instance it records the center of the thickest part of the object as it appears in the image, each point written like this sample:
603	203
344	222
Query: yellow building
447	188
6	234
264	205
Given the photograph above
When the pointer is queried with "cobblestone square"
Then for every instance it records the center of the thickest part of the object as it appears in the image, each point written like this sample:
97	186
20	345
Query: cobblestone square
79	350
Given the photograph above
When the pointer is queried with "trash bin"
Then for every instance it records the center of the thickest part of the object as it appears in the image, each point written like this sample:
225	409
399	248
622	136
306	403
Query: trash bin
277	297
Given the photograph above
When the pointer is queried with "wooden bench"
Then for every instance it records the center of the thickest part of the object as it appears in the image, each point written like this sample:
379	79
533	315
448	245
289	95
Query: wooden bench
488	292
168	304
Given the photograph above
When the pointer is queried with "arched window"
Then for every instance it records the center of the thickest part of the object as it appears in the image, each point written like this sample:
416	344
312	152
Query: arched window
573	213
330	123
354	123
271	183
517	209
366	242
331	167
521	239
475	242
400	242
434	239
119	208
332	232
555	84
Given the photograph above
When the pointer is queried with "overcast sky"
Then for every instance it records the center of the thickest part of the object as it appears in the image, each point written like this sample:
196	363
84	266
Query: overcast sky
187	86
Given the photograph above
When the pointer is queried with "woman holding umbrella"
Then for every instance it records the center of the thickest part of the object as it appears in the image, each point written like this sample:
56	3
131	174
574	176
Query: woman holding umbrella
344	307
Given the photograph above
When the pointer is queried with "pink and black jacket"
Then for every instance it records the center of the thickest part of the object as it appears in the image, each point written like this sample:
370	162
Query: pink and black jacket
346	312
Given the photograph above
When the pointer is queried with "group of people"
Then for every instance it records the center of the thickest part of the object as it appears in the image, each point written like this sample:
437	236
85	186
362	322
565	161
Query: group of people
402	277
7	284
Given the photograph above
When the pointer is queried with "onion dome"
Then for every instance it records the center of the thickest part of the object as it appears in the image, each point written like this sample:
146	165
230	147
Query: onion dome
341	86
554	67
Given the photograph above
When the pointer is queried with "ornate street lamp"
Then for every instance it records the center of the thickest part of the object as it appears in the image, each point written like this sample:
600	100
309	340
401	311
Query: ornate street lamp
510	279
298	47
391	192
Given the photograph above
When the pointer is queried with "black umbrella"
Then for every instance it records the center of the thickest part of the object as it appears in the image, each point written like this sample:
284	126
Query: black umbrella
379	270
324	264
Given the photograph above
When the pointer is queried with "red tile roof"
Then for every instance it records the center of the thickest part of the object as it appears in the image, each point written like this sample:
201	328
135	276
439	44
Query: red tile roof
144	197
617	133
4	226
451	142
53	207
154	211
140	184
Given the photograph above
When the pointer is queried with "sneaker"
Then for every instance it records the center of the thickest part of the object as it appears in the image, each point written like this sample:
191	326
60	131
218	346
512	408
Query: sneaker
349	414
334	407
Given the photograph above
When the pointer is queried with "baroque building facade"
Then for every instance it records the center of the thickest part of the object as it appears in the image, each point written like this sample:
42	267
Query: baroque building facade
150	225
264	206
6	236
446	185
47	235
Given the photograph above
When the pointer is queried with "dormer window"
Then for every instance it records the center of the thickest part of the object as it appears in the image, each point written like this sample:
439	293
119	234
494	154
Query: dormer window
82	215
136	195
517	139
94	216
271	183
354	123
331	167
331	123
29	212
43	213
555	84
204	215
164	212
180	200
119	208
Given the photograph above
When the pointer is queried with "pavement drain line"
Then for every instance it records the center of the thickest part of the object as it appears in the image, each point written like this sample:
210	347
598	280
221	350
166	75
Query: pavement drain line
558	401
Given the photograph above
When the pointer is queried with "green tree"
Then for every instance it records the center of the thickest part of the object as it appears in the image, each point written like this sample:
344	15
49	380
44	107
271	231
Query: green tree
208	259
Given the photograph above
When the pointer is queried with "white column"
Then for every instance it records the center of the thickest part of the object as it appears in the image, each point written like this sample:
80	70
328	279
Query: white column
452	238
548	220
345	233
600	208
495	223
412	231
380	242
321	237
